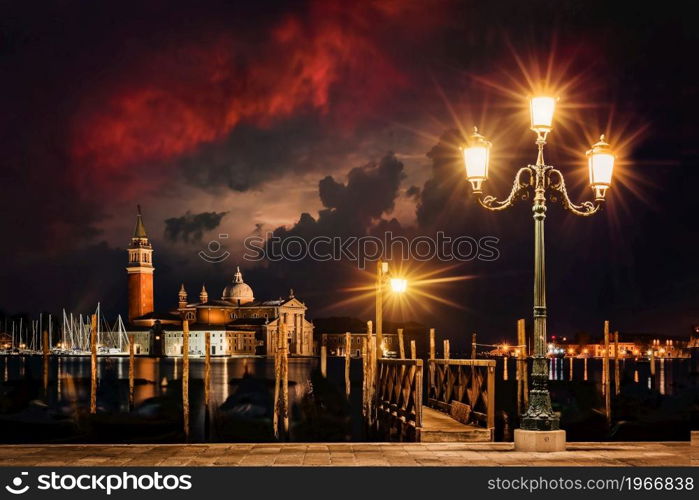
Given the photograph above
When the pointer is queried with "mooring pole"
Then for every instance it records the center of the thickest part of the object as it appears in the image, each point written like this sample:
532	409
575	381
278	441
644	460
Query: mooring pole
401	344
185	376
207	369
348	348
131	372
607	392
431	343
277	381
45	342
324	360
285	383
93	365
617	368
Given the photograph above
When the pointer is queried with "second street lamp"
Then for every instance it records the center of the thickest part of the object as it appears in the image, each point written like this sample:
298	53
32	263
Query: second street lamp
539	179
398	285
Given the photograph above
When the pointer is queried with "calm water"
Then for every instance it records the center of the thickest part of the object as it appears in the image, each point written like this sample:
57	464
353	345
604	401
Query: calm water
649	407
240	410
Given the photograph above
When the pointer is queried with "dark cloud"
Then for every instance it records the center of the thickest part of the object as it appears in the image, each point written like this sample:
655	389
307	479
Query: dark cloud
413	192
351	208
191	227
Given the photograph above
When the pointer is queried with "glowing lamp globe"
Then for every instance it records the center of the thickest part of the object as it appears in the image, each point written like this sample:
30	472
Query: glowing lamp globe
541	109
476	159
399	285
600	162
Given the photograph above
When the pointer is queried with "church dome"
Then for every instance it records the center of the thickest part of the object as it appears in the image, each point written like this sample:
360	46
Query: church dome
238	292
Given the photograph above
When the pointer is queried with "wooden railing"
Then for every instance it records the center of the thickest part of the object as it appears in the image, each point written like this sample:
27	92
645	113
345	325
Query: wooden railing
399	399
469	382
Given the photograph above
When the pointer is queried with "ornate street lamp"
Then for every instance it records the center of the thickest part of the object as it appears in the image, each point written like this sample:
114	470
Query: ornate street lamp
397	284
540	180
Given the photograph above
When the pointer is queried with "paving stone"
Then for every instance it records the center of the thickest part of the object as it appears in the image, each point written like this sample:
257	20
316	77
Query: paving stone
350	454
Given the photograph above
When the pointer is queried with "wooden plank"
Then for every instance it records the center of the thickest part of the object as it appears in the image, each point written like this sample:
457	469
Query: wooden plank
464	362
440	427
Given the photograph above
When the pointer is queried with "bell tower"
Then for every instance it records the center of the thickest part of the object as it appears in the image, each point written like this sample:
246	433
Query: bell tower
140	271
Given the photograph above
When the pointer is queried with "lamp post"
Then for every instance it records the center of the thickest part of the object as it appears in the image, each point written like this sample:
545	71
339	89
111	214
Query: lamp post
398	285
541	180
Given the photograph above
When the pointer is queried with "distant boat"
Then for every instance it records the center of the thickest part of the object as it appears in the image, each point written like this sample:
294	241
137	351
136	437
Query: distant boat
75	340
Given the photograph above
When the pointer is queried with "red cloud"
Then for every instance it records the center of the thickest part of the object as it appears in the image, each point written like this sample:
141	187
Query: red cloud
327	60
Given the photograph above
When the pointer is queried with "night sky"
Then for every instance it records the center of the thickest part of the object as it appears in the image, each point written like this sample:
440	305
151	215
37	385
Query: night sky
343	118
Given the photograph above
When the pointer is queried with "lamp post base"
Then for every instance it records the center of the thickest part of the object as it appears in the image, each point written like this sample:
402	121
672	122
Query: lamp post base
540	441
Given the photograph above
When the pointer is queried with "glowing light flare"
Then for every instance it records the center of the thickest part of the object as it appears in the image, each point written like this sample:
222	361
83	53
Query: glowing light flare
600	160
476	159
399	285
541	112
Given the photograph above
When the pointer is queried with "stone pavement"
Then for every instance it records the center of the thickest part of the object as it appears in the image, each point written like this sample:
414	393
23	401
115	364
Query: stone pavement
349	454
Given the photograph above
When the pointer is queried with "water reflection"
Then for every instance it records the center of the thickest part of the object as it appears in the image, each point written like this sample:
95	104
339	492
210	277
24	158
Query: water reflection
241	397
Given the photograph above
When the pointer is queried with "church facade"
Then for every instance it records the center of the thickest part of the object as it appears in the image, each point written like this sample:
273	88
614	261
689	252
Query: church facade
237	323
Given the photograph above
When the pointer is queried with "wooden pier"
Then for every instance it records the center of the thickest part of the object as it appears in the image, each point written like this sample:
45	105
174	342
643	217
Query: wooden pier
461	393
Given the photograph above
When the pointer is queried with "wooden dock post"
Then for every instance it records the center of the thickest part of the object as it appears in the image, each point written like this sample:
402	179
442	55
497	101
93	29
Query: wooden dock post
277	382
281	385
324	360
413	350
446	349
185	377
207	369
617	370
431	343
365	377
348	349
45	342
401	344
131	371
93	365
605	375
285	382
491	396
473	346
572	358
523	385
371	371
662	376
59	373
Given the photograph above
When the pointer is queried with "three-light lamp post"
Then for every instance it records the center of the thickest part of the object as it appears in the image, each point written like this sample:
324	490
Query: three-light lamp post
539	422
397	284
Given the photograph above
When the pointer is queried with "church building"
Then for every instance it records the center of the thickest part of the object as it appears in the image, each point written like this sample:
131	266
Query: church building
238	323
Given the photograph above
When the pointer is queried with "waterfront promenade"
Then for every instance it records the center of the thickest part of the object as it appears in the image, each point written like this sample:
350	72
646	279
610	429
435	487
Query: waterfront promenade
352	454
